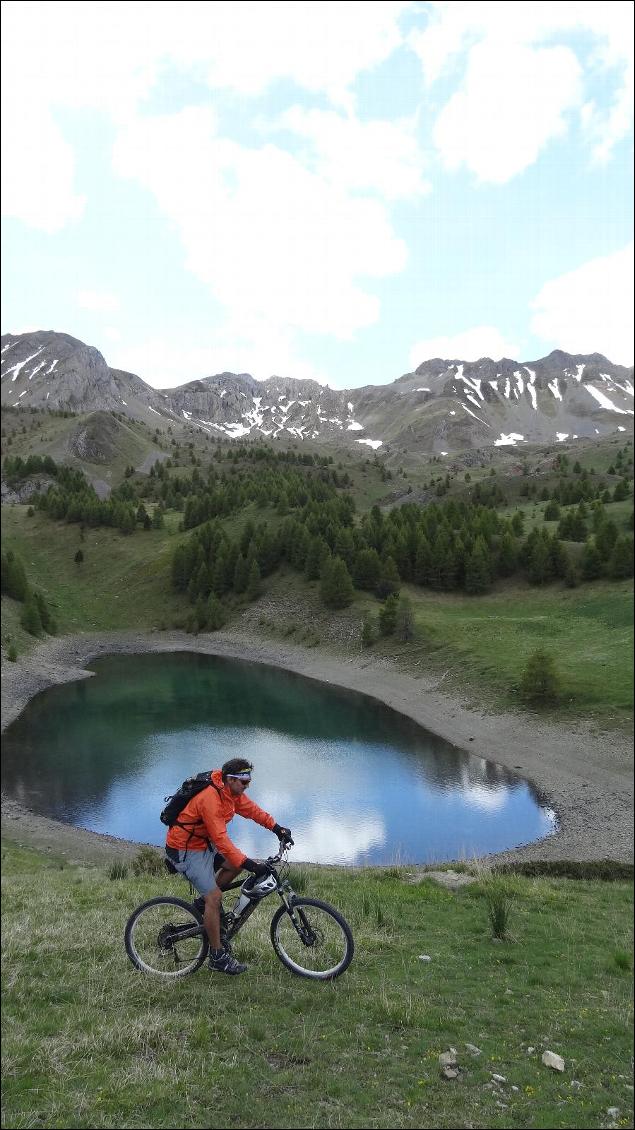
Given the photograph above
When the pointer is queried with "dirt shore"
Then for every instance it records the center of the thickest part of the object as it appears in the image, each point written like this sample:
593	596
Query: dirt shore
586	776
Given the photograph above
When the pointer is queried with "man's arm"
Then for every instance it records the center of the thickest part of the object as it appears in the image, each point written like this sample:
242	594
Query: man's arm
216	828
252	811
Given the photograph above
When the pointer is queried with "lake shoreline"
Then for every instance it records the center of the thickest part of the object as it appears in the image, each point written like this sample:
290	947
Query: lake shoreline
586	776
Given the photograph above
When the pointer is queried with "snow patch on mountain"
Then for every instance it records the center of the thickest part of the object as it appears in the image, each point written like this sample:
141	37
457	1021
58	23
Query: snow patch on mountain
606	403
509	441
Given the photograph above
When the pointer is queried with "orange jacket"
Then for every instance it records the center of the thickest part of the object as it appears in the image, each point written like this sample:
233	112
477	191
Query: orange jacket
207	816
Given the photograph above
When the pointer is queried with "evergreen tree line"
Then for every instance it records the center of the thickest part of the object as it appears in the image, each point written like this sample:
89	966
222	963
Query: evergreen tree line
446	547
16	468
241	452
73	499
220	494
36	616
568	492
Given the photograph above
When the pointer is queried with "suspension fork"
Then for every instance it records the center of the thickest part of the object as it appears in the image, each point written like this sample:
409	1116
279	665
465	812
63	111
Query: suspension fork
304	931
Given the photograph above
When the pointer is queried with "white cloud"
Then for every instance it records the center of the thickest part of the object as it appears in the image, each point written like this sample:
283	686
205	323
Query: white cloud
161	361
110	57
380	156
100	301
324	839
590	310
165	362
38	169
322	46
517	90
273	241
469	345
511	104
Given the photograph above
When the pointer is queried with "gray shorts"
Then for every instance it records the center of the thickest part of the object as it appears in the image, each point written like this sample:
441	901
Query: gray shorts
196	866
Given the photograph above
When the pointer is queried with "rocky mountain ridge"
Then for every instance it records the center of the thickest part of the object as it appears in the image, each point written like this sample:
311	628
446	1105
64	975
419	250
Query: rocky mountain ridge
443	407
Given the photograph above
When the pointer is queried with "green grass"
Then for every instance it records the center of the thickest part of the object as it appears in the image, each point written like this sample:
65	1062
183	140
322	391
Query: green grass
483	644
122	583
89	1042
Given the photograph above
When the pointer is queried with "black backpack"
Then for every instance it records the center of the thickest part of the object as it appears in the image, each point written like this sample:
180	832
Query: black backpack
176	803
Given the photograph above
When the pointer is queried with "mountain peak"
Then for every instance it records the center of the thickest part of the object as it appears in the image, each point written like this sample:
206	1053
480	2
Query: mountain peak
446	405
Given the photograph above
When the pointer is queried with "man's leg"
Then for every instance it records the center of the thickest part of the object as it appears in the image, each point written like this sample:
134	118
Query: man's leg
226	875
211	917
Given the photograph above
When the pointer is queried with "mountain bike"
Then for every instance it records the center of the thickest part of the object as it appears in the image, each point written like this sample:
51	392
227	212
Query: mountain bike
166	937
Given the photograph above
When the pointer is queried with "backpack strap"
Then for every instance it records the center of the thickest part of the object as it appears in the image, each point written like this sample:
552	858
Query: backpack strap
191	824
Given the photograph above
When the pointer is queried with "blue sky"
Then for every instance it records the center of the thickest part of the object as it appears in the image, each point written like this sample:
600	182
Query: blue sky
326	190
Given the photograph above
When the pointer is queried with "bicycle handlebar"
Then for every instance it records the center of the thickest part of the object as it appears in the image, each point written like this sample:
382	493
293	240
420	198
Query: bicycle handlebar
273	859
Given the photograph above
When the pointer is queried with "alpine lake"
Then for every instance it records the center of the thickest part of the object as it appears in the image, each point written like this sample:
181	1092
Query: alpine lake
357	782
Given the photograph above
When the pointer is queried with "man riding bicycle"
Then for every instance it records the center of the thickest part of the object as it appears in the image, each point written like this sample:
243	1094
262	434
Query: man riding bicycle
198	847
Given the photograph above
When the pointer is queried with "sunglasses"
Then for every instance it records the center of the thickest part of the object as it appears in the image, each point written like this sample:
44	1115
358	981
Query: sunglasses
241	780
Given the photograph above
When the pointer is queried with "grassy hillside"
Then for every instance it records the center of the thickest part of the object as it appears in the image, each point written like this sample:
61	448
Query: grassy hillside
89	1042
479	644
111	443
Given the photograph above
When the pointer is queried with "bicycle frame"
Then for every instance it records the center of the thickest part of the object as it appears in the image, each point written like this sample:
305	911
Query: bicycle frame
231	924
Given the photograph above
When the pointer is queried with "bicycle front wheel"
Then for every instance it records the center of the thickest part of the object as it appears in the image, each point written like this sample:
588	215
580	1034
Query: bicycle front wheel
315	942
166	937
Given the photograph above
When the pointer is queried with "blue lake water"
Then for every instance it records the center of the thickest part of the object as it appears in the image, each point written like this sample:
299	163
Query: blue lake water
357	782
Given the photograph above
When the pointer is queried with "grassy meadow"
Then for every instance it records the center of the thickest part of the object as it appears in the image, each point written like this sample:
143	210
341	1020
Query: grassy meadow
90	1042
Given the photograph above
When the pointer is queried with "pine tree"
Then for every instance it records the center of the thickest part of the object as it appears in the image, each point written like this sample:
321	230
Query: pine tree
14	583
606	538
367	569
179	569
404	620
344	546
30	618
572	576
477	569
253	583
591	563
540	682
621	562
318	551
539	567
507	555
200	614
518	523
241	575
220	583
46	618
388	615
369	630
336	586
215	613
423	562
389	579
559	557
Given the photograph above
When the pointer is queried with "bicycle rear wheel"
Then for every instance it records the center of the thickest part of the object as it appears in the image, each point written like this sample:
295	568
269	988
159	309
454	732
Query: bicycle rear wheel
319	944
166	937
